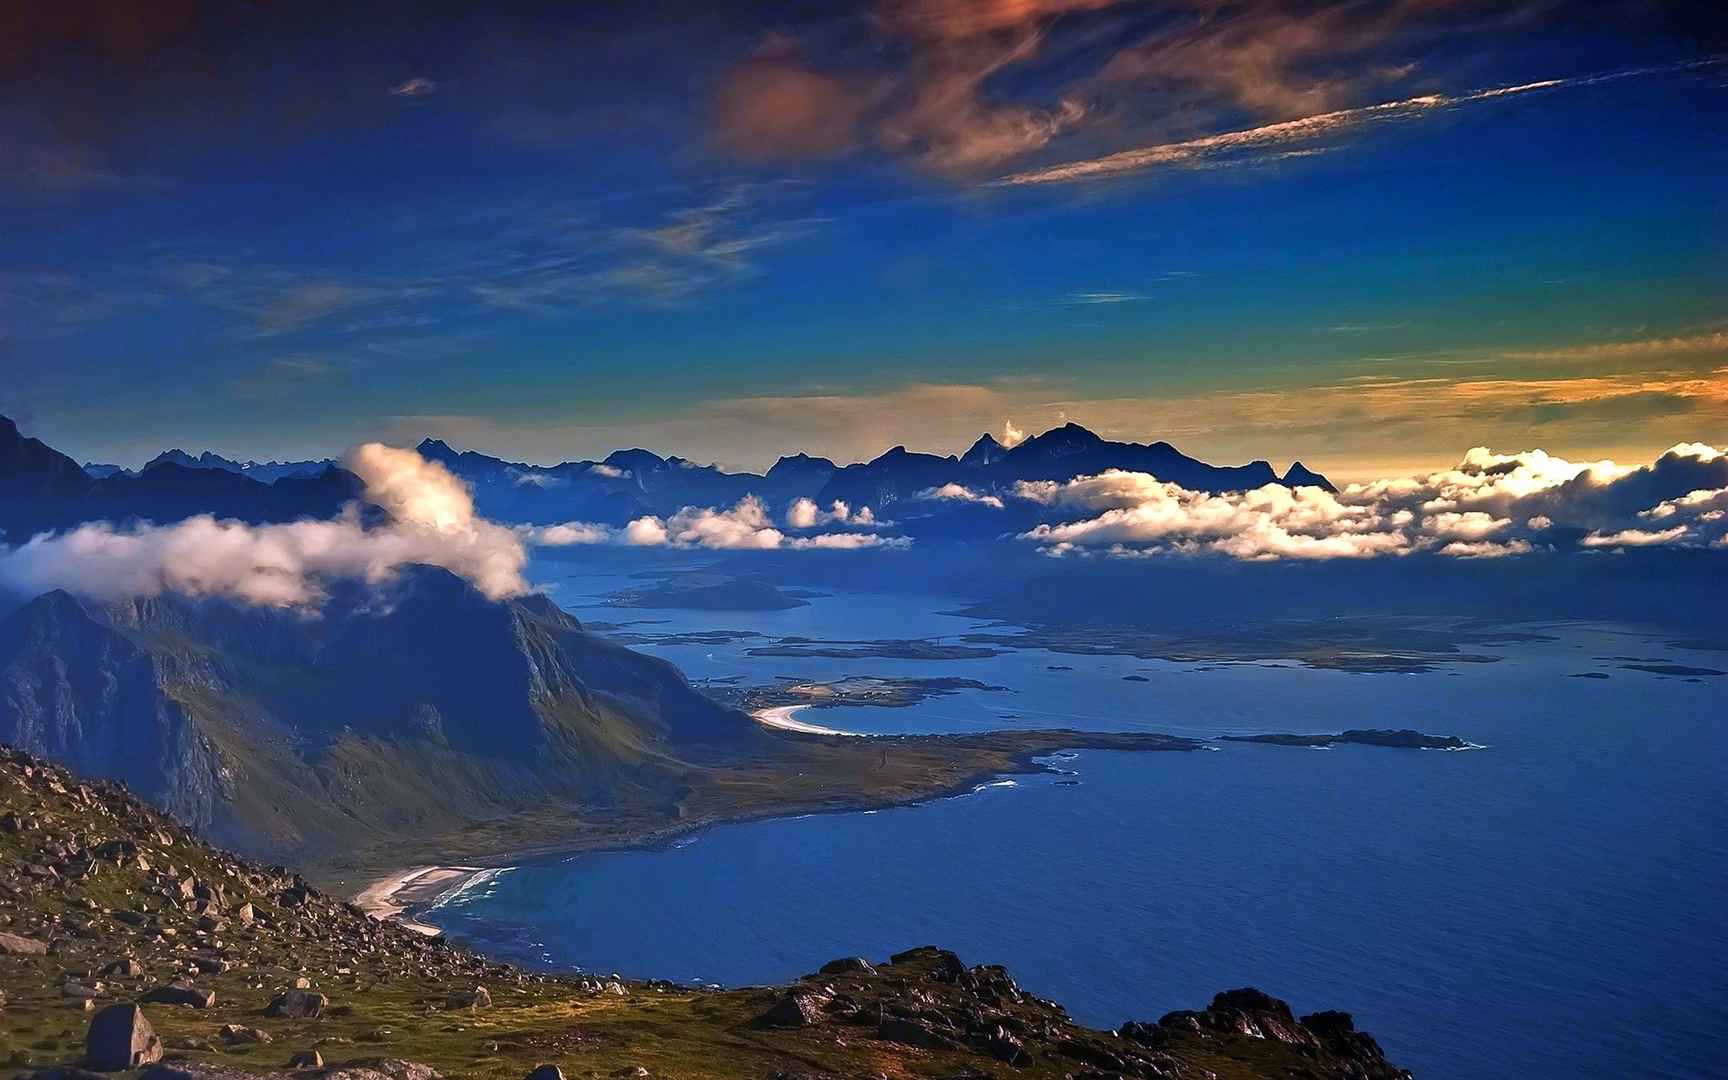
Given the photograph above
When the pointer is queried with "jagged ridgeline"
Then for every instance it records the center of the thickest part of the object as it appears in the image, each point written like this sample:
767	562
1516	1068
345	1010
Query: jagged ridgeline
128	944
389	711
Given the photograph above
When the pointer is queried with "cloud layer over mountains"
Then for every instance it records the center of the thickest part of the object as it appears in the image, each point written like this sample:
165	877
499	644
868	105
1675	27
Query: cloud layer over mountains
431	521
746	526
1489	505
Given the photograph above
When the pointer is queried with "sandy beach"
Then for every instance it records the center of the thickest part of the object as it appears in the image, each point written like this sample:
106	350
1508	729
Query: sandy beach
781	716
391	897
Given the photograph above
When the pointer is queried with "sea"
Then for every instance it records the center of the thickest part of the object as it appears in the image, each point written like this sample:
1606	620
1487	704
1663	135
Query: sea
1549	903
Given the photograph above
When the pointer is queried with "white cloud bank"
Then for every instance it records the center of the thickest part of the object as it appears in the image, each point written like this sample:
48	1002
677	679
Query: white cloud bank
745	526
961	493
805	514
1490	505
285	565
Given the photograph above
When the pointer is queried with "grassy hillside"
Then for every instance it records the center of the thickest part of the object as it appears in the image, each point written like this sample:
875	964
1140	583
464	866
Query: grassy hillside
105	901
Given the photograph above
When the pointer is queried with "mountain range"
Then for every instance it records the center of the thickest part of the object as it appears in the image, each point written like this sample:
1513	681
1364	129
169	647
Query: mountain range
45	489
42	489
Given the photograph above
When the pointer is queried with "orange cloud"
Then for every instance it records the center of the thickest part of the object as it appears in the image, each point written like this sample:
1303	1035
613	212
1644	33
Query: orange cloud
775	105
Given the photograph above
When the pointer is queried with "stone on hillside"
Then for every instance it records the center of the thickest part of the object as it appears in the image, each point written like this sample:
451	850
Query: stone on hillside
180	994
306	1059
244	914
848	965
477	998
298	1004
797	1008
126	967
121	1037
912	1032
546	1072
15	945
240	1033
382	1069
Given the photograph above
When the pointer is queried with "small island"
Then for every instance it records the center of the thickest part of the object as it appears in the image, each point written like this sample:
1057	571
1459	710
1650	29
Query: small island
1404	739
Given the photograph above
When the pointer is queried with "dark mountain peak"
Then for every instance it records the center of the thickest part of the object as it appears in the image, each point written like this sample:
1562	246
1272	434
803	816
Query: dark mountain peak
1299	475
436	450
985	451
801	466
899	456
1068	439
637	460
171	476
31	467
205	460
52	606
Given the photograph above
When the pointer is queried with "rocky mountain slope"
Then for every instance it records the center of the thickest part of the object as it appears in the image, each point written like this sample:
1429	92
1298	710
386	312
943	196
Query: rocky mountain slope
129	945
286	733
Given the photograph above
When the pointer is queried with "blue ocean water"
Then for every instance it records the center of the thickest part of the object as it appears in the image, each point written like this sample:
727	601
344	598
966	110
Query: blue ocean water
1546	907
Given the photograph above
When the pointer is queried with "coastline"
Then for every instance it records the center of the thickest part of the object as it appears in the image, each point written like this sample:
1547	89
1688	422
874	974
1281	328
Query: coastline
400	895
781	716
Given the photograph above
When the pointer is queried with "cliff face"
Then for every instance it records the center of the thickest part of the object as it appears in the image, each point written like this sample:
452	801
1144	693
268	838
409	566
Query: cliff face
202	966
277	730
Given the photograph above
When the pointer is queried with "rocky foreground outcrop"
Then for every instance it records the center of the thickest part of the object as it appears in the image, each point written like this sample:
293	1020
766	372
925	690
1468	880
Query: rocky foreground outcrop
130	947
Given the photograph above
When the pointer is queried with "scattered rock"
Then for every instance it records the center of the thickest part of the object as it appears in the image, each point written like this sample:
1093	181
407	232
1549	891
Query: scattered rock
796	1008
15	945
297	1004
180	994
546	1072
477	998
847	965
120	1037
306	1059
240	1033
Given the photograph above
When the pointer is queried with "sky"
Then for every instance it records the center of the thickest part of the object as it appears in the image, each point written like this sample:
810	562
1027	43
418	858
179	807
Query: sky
1369	235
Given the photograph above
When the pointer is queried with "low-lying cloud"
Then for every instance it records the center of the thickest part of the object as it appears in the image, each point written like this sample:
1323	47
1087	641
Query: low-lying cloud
745	526
1490	505
431	521
960	493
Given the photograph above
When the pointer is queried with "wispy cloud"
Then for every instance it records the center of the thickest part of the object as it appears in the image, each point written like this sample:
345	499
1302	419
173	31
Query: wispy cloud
1087	298
1627	350
1225	147
288	375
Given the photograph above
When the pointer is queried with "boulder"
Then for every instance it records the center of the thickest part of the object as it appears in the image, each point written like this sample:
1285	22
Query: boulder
121	1037
297	1004
15	945
796	1008
477	998
306	1059
546	1072
849	965
180	994
912	1032
240	1033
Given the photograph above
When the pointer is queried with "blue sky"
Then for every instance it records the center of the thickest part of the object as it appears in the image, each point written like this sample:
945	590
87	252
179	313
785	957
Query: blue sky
732	232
